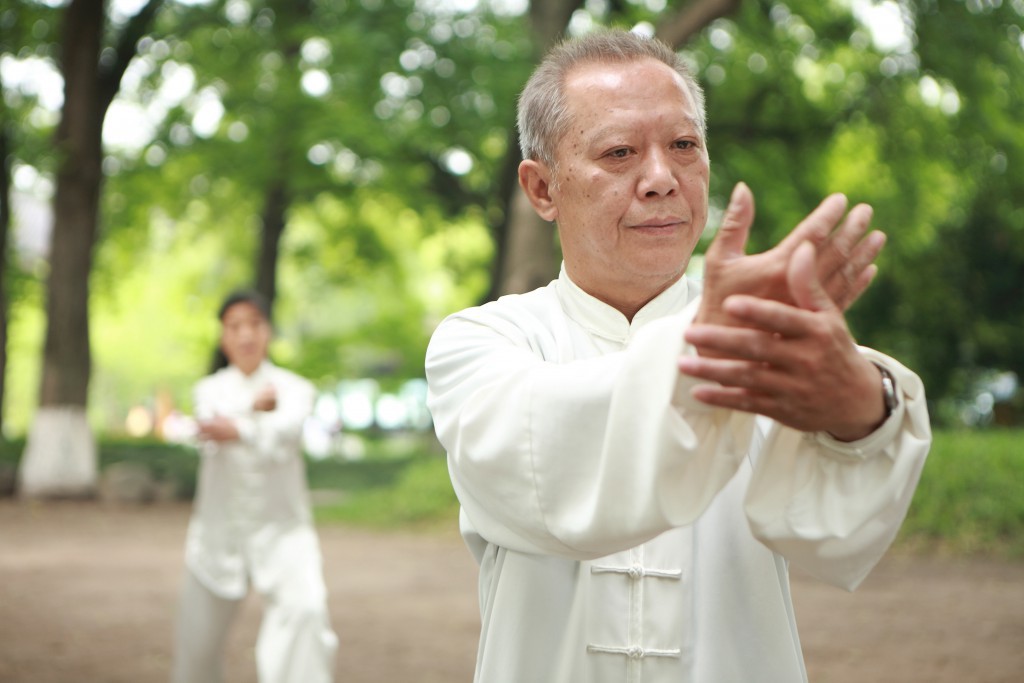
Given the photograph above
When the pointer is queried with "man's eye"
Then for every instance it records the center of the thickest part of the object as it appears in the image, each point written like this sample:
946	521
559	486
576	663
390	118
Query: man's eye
685	144
619	153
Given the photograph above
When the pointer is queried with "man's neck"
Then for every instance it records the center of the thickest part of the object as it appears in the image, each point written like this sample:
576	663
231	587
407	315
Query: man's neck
628	299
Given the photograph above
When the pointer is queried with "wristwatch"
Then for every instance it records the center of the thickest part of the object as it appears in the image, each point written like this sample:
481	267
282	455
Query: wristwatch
888	390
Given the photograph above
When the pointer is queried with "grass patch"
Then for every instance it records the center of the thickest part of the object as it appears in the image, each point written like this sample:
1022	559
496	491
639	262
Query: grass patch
10	450
355	475
167	462
421	495
402	481
971	497
970	500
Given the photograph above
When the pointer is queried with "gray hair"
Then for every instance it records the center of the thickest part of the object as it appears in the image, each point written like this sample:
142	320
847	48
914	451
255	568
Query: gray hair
543	117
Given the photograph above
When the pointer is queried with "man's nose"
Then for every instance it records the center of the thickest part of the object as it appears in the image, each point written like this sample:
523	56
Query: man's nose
656	177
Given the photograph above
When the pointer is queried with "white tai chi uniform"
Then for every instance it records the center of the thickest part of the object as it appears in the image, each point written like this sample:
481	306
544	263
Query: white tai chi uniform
627	533
252	522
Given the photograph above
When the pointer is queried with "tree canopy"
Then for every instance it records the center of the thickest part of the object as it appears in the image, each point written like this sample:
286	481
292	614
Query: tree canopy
380	135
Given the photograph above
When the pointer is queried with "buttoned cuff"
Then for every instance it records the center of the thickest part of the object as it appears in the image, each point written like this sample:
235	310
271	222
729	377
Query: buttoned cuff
882	436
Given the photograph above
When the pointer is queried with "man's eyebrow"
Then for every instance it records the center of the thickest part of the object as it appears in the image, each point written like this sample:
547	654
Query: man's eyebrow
612	130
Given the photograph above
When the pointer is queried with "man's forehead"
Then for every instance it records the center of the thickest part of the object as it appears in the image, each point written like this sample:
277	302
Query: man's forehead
599	83
614	93
616	73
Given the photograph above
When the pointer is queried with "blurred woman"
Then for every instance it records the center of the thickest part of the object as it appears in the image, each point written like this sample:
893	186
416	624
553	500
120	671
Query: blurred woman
251	522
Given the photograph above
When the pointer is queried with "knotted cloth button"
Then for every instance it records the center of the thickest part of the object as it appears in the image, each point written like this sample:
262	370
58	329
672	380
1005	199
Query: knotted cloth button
636	572
635	652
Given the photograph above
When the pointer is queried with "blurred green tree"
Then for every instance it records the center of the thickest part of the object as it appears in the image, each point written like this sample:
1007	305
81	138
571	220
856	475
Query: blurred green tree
370	130
357	161
908	106
60	455
24	32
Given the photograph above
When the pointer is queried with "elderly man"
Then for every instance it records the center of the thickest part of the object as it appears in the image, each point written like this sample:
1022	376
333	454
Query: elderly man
640	461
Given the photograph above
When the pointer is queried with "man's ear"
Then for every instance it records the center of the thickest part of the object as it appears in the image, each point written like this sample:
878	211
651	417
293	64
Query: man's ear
535	179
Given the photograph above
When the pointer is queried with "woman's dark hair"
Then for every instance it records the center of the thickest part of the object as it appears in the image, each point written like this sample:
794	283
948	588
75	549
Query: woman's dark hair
240	296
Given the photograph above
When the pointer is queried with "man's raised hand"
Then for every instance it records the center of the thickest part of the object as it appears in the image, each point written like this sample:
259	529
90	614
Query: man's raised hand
796	363
844	255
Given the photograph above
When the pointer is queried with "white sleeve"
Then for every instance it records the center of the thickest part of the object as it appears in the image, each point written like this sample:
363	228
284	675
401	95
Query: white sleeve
832	508
205	400
277	434
577	459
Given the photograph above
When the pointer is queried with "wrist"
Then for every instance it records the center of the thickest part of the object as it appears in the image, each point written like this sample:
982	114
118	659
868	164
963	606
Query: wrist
880	403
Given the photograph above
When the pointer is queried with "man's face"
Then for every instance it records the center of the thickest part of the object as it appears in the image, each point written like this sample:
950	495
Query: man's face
245	334
631	186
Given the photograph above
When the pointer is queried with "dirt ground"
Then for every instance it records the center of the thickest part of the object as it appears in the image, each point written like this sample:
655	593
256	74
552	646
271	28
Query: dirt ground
88	593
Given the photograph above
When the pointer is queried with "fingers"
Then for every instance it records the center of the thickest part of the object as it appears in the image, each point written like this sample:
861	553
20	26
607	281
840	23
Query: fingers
847	254
731	238
802	278
859	287
846	282
749	387
734	398
755	315
818	224
727	372
841	271
841	243
731	342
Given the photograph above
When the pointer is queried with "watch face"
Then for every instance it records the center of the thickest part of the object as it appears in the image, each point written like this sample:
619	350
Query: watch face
888	391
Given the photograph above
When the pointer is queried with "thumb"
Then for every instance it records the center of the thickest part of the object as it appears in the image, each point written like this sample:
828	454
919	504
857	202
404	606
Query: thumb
802	278
731	240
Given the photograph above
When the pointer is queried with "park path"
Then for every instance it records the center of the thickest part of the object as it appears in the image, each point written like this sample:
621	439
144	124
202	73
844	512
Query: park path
88	591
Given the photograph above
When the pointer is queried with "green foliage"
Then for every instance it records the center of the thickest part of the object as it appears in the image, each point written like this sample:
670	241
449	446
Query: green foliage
383	238
970	500
802	103
385	235
167	462
10	450
354	476
421	495
24	341
393	467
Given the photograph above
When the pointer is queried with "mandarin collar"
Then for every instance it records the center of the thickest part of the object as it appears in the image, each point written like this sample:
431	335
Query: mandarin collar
606	321
259	373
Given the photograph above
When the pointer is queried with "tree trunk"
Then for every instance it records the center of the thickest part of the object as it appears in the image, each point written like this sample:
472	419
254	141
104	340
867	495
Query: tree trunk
274	208
290	14
60	456
677	29
527	254
5	224
506	188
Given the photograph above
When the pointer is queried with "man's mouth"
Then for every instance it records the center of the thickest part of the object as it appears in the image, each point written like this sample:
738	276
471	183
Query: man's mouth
659	223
